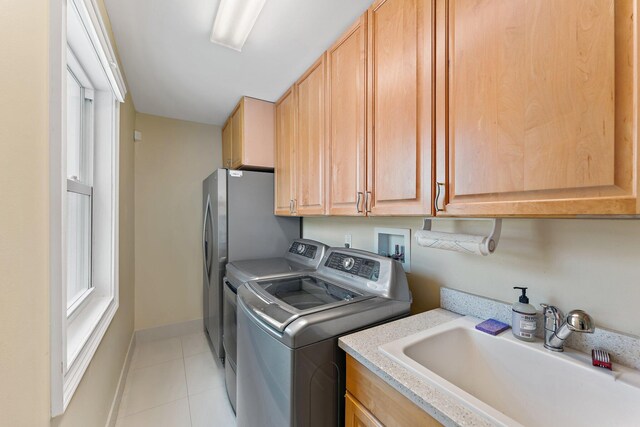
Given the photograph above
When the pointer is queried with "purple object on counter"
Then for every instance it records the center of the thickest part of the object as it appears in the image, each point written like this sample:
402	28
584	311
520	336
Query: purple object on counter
492	327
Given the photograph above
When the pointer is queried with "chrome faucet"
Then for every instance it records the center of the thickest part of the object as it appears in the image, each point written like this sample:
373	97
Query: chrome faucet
557	329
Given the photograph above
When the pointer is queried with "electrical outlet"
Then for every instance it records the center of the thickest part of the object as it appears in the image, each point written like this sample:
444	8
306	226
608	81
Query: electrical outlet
347	240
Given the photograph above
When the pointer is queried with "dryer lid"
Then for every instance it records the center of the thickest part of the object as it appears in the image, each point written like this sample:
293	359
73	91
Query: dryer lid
239	272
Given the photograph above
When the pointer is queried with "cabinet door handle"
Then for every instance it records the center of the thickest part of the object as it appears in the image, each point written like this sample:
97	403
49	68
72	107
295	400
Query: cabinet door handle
367	201
439	190
295	205
358	200
291	206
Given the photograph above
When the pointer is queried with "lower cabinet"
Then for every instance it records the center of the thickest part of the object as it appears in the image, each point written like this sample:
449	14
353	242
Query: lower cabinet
370	401
357	415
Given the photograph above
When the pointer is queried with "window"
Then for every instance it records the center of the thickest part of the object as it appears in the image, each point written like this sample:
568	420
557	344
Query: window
79	204
87	89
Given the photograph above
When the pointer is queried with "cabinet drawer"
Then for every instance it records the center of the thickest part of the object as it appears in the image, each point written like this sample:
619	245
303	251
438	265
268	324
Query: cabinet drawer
384	402
357	415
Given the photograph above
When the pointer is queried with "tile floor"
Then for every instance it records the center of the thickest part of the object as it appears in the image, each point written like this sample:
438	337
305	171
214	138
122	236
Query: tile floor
175	382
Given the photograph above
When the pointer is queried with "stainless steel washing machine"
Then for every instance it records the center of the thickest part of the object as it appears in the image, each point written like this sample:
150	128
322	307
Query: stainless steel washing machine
303	255
290	369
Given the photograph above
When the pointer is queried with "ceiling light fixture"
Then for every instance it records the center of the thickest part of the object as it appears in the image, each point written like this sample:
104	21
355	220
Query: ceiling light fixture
234	21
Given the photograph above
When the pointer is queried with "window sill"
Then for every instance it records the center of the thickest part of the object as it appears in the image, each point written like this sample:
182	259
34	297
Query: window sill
79	304
84	334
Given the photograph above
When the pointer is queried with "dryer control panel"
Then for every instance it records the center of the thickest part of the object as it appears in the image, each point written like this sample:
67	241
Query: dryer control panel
308	253
303	249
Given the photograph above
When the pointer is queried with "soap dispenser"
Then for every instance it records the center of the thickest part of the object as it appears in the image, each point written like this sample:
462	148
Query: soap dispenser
524	318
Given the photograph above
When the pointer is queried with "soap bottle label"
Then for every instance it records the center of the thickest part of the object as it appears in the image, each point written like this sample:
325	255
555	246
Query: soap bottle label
528	323
524	325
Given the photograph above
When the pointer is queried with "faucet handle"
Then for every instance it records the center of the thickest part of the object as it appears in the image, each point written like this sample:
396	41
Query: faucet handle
580	321
552	317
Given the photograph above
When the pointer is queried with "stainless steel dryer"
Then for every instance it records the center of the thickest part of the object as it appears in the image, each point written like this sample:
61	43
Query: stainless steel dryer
290	369
303	255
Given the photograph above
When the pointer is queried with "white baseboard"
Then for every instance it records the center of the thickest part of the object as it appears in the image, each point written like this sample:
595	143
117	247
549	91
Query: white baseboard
169	331
115	405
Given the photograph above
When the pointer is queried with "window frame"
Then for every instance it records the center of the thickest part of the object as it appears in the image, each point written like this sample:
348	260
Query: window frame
77	330
83	186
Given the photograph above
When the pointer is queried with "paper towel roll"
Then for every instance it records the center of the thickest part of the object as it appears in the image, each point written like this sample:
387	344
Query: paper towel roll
465	243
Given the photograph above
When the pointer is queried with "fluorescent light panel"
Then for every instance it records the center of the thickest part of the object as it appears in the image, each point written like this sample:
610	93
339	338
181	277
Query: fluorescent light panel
234	21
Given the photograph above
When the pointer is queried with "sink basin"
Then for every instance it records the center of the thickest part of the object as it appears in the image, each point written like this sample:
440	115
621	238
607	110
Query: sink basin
514	383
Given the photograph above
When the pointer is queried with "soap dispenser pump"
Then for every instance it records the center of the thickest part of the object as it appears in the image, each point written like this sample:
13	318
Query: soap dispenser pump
524	317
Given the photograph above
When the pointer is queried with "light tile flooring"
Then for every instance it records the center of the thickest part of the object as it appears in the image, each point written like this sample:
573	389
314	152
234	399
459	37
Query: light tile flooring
175	382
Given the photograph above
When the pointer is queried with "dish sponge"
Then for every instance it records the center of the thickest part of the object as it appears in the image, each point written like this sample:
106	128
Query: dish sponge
492	327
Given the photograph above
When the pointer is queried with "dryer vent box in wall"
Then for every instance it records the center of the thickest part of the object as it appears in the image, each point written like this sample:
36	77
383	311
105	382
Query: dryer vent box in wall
394	243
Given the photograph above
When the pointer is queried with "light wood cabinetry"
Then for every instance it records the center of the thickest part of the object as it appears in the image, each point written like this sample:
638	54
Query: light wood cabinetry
346	122
537	107
237	136
226	144
371	399
497	108
285	154
248	137
400	102
357	415
310	146
380	112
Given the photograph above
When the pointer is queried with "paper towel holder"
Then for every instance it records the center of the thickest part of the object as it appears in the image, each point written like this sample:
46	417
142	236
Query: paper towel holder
490	243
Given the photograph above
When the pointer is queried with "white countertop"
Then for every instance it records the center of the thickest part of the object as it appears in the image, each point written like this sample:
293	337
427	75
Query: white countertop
363	346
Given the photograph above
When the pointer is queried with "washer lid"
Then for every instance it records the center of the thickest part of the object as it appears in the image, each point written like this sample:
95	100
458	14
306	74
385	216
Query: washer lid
282	300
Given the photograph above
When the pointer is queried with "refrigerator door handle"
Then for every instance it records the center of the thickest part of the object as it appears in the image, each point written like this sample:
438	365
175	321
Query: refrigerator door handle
206	250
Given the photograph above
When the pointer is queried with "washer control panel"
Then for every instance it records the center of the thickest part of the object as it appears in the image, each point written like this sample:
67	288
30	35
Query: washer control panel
303	249
362	267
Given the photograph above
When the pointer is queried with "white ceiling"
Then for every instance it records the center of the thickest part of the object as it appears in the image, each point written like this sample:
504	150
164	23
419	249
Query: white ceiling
173	70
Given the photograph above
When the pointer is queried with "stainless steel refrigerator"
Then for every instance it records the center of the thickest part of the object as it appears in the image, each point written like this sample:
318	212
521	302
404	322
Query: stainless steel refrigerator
238	223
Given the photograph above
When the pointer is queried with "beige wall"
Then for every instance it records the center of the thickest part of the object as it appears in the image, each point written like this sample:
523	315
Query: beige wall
588	264
92	400
24	236
24	215
171	161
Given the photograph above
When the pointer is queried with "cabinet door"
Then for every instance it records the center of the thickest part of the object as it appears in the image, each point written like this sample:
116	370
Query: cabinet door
259	134
400	100
346	122
357	415
237	136
384	402
226	144
310	142
284	155
538	114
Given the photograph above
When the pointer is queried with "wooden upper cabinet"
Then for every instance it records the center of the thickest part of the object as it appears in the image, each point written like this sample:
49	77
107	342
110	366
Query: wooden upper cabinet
540	107
310	147
346	122
226	144
237	136
252	134
284	154
400	119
